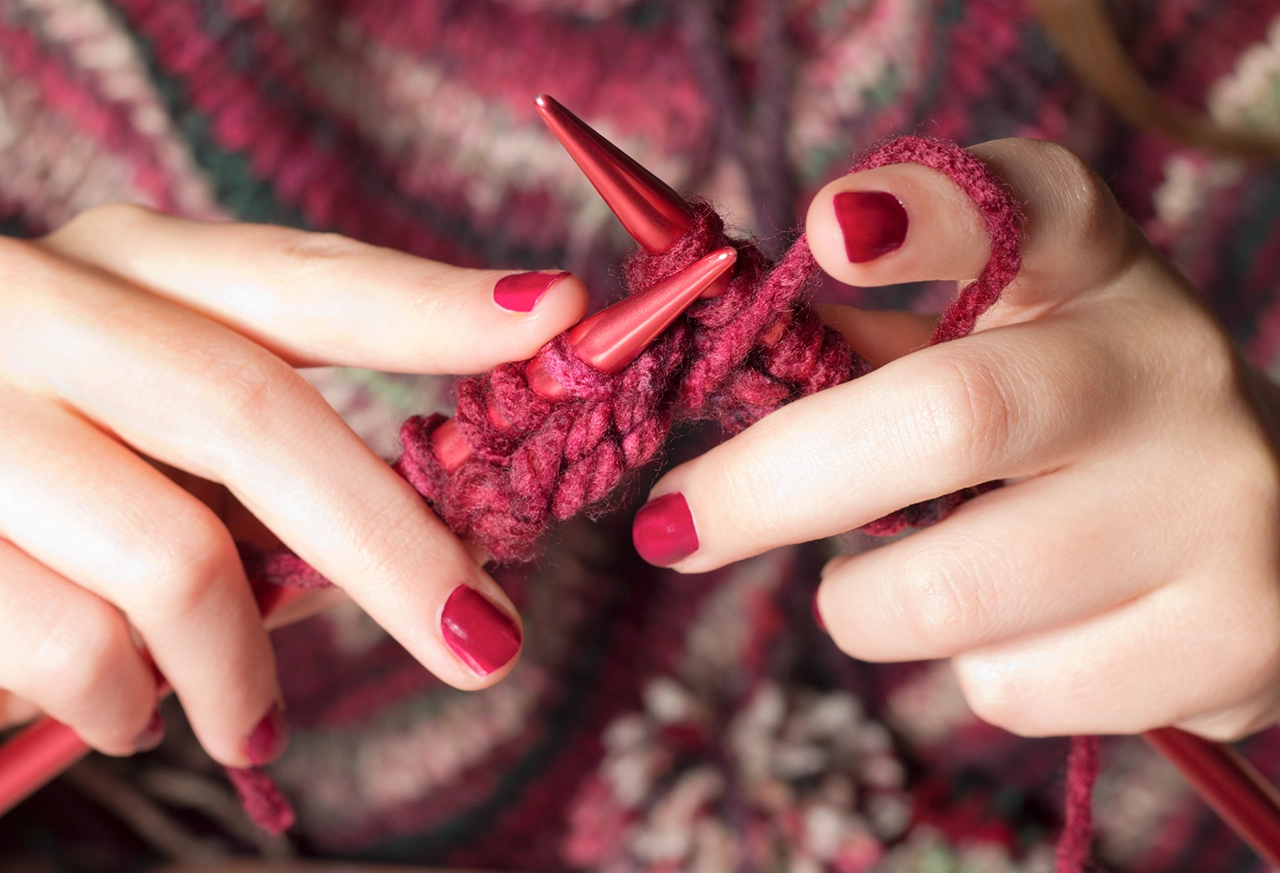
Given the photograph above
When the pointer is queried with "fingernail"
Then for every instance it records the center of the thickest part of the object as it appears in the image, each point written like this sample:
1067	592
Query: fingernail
663	530
520	291
873	223
817	616
152	735
268	738
479	633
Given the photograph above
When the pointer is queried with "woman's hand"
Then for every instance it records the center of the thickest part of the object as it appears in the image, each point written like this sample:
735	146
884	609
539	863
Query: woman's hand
132	343
1127	576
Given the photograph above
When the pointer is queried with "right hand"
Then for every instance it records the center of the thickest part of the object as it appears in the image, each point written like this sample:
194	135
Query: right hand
133	343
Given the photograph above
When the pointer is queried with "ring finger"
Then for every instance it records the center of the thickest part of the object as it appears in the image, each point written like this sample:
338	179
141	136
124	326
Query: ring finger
90	510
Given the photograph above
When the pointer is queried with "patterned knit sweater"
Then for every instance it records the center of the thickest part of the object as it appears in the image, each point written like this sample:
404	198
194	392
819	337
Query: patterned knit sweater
656	722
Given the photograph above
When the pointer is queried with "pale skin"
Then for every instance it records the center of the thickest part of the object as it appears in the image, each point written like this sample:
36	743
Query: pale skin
127	336
1128	575
1126	578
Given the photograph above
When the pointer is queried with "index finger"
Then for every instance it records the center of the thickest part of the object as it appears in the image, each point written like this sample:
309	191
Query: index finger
320	298
935	421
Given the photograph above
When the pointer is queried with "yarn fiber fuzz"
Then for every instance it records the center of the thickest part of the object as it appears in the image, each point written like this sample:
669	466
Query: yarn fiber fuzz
733	360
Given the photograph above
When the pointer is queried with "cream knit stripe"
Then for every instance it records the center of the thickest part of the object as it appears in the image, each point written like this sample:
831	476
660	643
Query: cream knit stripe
51	171
101	50
446	140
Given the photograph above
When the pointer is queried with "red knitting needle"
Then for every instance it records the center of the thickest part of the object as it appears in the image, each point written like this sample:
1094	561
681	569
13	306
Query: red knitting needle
654	215
607	341
38	753
1229	784
657	217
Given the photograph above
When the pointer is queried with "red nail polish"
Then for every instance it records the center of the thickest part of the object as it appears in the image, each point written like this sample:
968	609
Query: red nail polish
874	223
519	292
663	530
479	633
151	735
268	738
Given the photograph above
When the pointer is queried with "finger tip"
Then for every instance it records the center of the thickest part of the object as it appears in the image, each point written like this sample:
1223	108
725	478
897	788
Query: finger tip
857	225
485	638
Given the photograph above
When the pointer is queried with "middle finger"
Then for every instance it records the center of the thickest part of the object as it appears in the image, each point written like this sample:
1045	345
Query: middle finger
194	394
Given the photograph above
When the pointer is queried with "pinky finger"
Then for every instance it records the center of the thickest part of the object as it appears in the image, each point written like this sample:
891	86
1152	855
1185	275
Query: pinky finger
72	655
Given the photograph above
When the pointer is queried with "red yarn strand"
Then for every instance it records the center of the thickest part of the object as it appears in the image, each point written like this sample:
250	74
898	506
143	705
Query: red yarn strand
1083	765
733	359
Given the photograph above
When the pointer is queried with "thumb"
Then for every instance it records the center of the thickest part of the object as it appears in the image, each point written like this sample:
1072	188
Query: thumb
909	223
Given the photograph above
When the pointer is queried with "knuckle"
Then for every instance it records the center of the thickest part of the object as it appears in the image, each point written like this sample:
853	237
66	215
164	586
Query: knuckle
248	400
78	652
306	254
1088	198
996	694
936	607
174	571
970	413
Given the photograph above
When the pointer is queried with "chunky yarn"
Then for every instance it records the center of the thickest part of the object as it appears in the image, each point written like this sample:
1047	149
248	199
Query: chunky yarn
736	358
733	359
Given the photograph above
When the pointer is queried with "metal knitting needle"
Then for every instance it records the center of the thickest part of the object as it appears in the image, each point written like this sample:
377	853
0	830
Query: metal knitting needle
606	341
656	217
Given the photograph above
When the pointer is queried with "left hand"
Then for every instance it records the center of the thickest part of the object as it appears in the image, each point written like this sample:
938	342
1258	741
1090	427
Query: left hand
1128	575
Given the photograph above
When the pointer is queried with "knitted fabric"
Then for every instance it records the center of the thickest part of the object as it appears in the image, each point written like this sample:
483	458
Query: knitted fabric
738	357
741	355
411	125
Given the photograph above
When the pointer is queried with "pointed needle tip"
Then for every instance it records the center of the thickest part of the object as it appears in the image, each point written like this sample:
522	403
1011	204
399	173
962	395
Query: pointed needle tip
654	214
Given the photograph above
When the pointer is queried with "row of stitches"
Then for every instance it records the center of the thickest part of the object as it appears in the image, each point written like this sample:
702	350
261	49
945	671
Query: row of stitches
865	63
429	741
450	144
284	141
409	752
49	171
101	52
458	146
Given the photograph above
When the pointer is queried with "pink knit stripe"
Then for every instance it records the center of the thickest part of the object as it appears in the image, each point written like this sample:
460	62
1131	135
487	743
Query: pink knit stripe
640	80
100	51
46	146
323	184
75	99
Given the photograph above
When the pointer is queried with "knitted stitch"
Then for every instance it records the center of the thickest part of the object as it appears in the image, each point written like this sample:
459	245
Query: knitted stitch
741	355
738	357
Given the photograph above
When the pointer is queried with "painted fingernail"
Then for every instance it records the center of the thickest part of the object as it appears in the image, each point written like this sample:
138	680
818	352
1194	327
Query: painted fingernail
520	291
817	616
268	738
479	633
152	735
663	530
873	223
